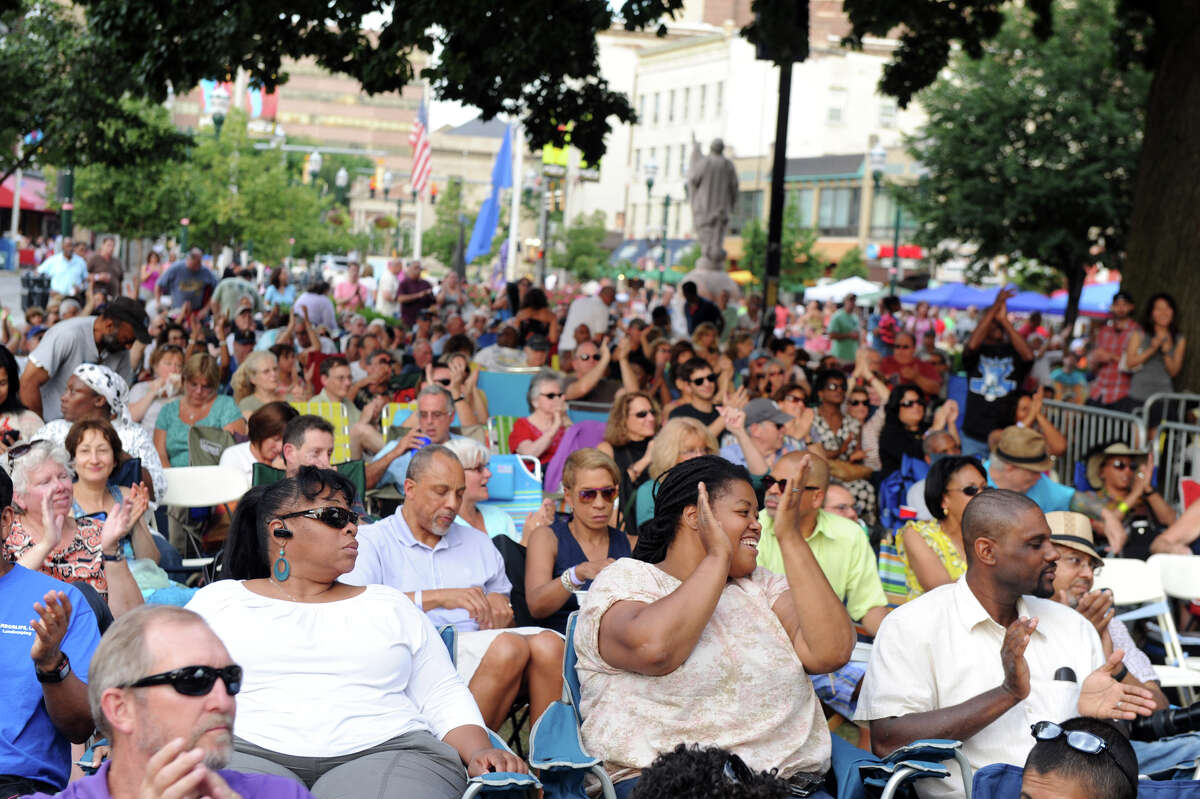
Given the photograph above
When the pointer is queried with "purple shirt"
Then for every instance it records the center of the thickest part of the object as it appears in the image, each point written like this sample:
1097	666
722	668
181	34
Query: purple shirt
410	309
247	786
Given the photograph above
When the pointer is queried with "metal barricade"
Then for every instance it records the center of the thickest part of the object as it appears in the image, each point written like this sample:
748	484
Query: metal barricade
1177	447
1172	406
1085	427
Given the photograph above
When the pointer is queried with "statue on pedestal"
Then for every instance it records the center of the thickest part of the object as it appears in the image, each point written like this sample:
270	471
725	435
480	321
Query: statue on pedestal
713	192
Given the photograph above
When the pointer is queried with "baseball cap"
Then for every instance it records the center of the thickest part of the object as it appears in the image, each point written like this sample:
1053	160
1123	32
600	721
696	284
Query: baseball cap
127	309
765	410
538	342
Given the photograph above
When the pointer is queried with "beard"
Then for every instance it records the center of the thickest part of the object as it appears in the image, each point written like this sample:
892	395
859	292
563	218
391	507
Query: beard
110	344
439	529
151	737
1044	588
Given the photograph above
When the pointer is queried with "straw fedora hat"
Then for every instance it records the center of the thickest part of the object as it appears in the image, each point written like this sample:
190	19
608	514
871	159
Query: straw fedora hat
1095	461
1025	448
1074	530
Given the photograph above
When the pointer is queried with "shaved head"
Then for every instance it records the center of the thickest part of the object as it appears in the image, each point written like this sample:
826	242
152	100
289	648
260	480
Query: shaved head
995	513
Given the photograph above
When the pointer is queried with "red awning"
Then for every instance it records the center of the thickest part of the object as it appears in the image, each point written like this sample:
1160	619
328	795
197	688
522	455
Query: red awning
908	251
33	193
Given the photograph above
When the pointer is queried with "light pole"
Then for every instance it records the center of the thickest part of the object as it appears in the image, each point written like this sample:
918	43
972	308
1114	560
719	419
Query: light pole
651	171
314	167
342	181
878	162
219	100
666	251
278	139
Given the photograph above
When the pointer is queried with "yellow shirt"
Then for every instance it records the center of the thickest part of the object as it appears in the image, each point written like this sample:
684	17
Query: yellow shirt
931	532
845	555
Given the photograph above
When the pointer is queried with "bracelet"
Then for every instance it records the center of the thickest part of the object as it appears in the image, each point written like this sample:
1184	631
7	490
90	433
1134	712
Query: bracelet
575	578
565	579
1122	674
1123	507
120	556
460	399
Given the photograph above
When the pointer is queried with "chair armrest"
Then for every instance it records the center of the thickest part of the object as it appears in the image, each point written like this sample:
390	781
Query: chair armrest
554	741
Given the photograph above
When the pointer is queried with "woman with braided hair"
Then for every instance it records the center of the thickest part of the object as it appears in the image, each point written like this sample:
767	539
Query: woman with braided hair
689	640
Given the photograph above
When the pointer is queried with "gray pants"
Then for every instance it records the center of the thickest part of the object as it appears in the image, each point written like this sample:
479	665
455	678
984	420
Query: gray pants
412	766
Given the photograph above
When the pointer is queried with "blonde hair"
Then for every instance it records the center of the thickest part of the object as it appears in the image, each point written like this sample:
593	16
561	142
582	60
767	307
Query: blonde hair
581	460
203	366
242	382
616	431
669	443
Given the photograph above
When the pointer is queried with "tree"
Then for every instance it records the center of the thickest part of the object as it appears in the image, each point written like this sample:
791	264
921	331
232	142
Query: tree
1033	158
852	264
799	260
586	257
439	240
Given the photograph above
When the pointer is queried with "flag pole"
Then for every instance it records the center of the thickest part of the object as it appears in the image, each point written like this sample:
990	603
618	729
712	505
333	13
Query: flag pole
417	230
514	215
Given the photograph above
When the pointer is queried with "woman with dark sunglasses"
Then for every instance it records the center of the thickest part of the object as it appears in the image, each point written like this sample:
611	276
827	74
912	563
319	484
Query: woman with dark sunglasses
837	438
933	550
347	689
539	434
566	556
631	425
905	428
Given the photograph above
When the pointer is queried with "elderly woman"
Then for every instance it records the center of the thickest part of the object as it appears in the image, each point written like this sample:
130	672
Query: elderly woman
47	537
266	426
405	725
97	392
539	433
256	382
200	405
489	519
565	556
631	425
680	439
658	633
148	397
933	551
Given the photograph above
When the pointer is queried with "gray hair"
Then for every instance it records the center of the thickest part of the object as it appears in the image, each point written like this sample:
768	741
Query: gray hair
470	453
122	658
540	379
422	460
38	454
435	390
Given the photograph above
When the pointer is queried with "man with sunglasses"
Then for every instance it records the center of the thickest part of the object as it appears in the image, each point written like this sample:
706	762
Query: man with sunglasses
697	384
43	671
1080	758
587	379
163	686
982	658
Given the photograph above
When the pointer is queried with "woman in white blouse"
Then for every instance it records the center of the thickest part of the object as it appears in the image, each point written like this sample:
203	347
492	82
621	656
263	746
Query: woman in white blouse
347	689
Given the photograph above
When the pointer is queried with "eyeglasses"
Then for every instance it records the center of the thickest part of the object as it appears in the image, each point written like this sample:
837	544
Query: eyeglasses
589	494
769	481
481	468
642	414
443	381
586	356
553	395
195	680
1080	741
857	403
969	491
699	381
831	386
910	403
23	449
330	515
1083	562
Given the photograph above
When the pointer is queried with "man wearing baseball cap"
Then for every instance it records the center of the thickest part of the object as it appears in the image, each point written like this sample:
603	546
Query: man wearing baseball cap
759	435
1110	389
1019	462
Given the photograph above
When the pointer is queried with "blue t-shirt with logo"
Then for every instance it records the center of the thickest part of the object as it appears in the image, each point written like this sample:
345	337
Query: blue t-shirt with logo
30	746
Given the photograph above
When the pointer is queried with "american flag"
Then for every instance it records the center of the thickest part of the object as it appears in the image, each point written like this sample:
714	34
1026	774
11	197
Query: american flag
419	139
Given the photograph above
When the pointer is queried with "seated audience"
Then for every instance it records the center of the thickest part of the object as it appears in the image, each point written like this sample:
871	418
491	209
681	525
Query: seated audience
690	772
839	501
148	397
44	667
996	359
487	518
697	385
199	406
266	426
163	686
505	353
1079	757
435	413
679	440
457	577
658	631
17	423
564	557
539	434
957	661
587	374
837	438
339	387
1029	413
937	445
627	435
47	537
792	399
933	549
905	428
758	435
1122	479
405	726
256	382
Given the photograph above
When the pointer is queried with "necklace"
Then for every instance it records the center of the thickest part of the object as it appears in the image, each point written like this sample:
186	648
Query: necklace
286	592
191	416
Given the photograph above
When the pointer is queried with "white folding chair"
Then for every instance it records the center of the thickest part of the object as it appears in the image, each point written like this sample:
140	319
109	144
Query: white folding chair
1180	578
1136	582
203	487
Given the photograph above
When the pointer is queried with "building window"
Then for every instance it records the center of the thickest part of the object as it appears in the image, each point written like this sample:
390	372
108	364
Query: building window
666	165
700	105
837	106
749	206
803	200
887	114
683	164
720	103
883	217
656	99
637	160
837	212
641	109
671	106
687	97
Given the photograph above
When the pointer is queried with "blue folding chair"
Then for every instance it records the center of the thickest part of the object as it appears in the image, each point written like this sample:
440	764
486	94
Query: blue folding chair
506	391
515	486
496	783
1003	780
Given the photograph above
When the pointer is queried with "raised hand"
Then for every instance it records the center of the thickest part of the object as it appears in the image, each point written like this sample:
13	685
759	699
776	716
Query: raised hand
735	419
1097	607
458	375
590	568
1012	656
542	517
52	525
1102	697
117	525
712	534
49	629
787	514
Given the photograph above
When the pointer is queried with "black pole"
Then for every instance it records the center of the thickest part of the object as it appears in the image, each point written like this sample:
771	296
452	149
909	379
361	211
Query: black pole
775	217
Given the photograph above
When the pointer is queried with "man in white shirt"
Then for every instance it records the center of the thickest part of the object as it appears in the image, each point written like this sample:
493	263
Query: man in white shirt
590	311
983	658
389	289
67	270
455	574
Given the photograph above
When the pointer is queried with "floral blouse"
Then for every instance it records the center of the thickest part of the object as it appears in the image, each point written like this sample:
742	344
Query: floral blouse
79	561
832	440
931	532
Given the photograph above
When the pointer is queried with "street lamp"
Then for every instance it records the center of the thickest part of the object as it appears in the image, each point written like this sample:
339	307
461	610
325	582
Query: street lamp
878	163
388	180
666	251
651	171
314	166
342	181
219	99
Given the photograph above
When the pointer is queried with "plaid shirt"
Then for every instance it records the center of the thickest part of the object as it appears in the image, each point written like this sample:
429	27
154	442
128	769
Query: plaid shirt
1111	384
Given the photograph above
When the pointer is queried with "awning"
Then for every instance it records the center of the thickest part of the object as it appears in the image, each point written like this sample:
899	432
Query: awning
33	193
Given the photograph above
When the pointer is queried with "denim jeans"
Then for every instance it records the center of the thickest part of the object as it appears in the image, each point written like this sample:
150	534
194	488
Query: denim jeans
1175	756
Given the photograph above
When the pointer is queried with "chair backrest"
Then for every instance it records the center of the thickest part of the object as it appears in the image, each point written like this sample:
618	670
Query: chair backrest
393	415
580	411
506	391
499	429
204	486
205	445
515	486
588	433
1189	491
1179	575
354	471
450	638
571	691
997	781
335	414
1133	582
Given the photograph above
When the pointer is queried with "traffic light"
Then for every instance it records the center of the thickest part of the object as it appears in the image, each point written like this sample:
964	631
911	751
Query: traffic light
433	194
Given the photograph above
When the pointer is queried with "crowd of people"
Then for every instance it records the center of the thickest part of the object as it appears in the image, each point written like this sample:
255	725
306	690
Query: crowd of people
720	539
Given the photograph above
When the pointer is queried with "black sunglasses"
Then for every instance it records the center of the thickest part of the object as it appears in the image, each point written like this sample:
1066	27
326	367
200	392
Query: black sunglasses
585	357
968	491
642	414
553	395
195	680
910	403
832	386
857	402
444	381
699	381
23	449
768	482
330	515
1081	741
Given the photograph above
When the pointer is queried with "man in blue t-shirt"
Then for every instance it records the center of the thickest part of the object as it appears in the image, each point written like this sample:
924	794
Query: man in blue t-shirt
43	671
1019	462
188	283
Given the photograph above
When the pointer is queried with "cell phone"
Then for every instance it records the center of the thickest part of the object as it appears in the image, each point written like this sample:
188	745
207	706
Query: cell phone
11	437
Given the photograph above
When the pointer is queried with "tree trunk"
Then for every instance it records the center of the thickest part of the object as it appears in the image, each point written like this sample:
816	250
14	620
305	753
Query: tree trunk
1164	238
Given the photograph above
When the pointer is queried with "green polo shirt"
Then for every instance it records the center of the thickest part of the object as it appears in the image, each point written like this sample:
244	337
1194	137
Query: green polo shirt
353	414
844	553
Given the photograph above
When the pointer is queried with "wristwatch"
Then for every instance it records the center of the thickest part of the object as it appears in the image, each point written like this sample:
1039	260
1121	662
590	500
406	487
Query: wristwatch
59	672
459	399
119	556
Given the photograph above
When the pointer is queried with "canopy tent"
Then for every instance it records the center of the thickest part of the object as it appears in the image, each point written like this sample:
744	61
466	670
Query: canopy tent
1094	301
836	292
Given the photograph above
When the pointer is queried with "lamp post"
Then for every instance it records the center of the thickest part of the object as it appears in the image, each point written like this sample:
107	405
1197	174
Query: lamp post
314	167
666	251
878	162
342	181
219	100
183	223
651	171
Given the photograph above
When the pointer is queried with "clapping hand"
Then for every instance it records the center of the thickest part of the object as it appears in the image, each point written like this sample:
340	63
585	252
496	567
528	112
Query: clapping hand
542	517
787	514
49	629
712	535
120	520
174	772
1012	657
1097	607
1102	697
734	418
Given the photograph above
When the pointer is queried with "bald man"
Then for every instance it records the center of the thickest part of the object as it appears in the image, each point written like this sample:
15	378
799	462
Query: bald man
981	659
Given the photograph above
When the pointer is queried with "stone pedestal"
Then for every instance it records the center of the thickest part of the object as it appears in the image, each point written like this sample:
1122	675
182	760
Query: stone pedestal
711	279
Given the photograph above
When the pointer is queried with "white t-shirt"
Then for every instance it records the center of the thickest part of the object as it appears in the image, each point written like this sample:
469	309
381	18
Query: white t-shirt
241	458
590	311
329	679
389	284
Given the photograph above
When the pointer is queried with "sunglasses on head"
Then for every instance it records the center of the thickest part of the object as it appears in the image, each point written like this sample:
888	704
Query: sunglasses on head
795	398
195	680
1081	741
589	494
552	395
330	515
18	450
910	403
699	381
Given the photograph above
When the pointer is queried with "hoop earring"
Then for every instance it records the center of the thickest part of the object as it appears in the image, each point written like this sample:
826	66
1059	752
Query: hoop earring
281	569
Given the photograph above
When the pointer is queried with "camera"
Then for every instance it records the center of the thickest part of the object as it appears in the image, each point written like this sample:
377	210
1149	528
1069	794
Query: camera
1165	723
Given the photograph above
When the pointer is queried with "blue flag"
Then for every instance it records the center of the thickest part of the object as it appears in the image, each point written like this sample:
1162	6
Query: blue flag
489	212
